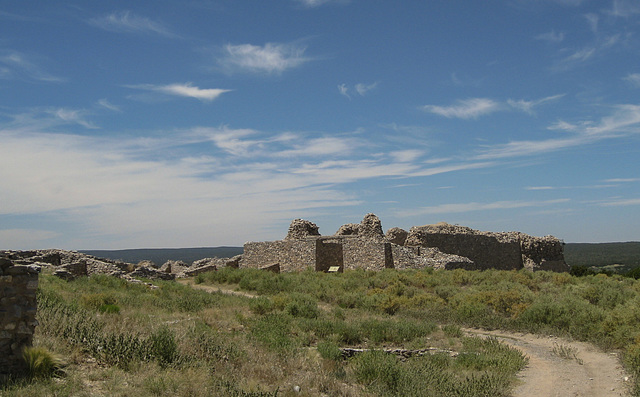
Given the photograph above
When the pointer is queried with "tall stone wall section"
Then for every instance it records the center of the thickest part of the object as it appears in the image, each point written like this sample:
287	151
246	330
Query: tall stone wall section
292	255
18	285
485	251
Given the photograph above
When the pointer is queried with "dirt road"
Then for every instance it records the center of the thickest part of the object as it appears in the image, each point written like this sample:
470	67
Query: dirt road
574	369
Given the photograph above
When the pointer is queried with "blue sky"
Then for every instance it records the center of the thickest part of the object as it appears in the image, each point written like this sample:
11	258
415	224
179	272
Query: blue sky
182	123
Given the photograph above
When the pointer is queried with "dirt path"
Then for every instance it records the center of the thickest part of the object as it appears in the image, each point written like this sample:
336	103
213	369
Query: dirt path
584	371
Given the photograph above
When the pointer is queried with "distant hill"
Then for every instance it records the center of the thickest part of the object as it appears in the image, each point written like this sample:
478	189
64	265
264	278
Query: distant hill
161	255
603	254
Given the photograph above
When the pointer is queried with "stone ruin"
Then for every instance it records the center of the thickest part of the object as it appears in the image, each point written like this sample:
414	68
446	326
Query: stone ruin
69	265
19	281
18	285
440	246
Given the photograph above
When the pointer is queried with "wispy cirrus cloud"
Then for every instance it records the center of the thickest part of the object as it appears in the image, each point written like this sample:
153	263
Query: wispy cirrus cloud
72	116
624	8
551	36
528	106
622	180
104	103
476	206
621	202
318	3
271	58
14	64
128	22
361	89
116	183
633	78
475	107
624	120
465	109
183	90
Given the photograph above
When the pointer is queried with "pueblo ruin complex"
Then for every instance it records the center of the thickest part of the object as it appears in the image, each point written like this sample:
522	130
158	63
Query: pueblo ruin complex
441	246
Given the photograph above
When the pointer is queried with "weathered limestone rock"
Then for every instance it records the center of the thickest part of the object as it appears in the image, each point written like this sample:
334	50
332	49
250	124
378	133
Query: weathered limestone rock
350	229
198	270
300	229
371	228
234	262
151	273
174	267
397	236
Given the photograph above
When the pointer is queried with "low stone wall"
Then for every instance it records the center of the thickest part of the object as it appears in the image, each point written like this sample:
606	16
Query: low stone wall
18	285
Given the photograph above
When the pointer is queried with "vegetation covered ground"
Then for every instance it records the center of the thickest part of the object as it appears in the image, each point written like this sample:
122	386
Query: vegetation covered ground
120	339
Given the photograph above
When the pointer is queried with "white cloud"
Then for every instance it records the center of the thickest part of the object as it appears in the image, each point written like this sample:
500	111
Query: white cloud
270	58
624	8
72	116
327	146
475	206
465	109
622	180
108	105
540	188
621	202
624	120
17	65
127	22
361	89
185	90
528	106
593	20
317	3
344	90
552	36
406	156
633	78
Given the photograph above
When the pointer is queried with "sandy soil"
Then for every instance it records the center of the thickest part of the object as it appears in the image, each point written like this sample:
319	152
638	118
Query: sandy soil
588	372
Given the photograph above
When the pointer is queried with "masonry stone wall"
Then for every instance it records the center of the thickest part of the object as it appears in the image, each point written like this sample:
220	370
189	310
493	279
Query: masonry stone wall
290	254
360	253
18	285
484	250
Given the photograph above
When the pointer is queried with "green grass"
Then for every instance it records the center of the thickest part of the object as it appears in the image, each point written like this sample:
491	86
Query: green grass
127	339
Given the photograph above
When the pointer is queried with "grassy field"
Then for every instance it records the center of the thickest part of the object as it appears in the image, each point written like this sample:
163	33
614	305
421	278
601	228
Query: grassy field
120	339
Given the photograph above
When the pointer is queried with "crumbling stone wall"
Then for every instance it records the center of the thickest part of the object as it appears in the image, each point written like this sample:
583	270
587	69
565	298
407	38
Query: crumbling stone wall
18	285
485	250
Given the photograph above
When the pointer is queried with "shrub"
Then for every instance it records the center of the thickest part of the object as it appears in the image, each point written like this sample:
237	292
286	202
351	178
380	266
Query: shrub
261	305
329	350
42	363
302	306
162	346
